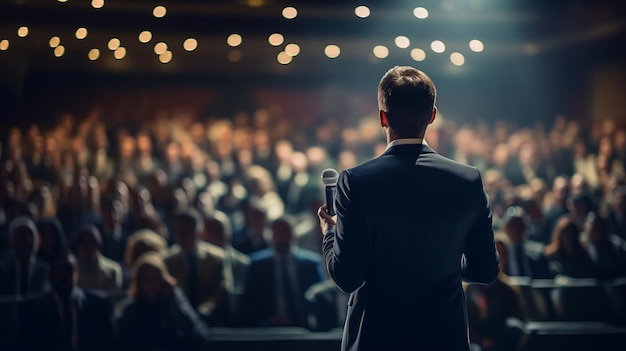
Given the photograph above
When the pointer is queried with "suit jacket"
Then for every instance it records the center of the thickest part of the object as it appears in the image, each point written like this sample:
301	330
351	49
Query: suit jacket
411	225
210	275
259	299
41	327
38	275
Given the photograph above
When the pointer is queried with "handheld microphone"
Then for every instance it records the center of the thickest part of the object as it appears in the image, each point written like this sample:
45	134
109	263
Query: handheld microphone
329	178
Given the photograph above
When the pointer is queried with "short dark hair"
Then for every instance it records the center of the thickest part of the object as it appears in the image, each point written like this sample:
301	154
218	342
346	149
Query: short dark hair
407	95
191	216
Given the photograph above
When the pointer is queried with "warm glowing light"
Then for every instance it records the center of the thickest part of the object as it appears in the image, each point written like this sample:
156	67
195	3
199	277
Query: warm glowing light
190	44
62	0
4	44
420	12
114	43
276	39
159	11
145	36
381	51
22	31
292	49
165	57
476	45
332	51
81	33
59	51
54	42
402	42
457	59
255	3
438	46
234	40
120	53
283	58
93	54
160	48
290	12
418	54
234	56
362	11
97	4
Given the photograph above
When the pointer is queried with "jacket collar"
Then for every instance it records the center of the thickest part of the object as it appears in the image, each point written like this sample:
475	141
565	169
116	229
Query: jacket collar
409	149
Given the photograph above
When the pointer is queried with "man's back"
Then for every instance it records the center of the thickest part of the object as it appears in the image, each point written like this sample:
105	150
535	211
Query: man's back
405	220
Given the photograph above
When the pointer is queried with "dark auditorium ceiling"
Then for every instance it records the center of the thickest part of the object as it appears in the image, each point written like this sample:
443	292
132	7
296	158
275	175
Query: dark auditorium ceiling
509	29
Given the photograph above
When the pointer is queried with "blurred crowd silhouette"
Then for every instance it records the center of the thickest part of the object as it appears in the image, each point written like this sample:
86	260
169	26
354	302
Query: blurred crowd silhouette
145	236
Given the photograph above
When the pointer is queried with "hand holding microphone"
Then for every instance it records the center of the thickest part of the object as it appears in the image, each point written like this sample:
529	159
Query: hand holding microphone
327	211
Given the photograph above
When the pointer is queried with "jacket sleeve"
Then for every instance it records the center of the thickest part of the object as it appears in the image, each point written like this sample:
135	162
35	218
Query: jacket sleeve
346	245
480	262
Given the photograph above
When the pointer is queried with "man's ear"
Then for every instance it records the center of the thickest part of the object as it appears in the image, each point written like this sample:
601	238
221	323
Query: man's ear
383	119
432	117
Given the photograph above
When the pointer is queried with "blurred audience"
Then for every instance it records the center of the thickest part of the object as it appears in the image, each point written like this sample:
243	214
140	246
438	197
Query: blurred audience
95	270
565	254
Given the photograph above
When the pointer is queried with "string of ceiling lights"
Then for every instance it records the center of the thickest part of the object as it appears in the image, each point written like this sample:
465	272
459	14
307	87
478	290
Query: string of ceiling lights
235	40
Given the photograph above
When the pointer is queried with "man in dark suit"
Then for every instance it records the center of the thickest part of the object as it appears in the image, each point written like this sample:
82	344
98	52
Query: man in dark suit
68	318
411	225
277	280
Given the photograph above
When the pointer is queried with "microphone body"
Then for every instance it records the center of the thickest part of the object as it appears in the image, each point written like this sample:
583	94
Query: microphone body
329	178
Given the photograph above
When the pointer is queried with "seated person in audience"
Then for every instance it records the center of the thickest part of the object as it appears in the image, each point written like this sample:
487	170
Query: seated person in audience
607	250
328	305
218	232
95	270
277	280
140	242
68	318
21	272
496	312
565	254
558	205
157	315
52	239
252	237
526	257
616	212
198	267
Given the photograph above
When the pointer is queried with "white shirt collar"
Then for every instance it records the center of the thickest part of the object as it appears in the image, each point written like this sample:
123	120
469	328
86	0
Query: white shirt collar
406	141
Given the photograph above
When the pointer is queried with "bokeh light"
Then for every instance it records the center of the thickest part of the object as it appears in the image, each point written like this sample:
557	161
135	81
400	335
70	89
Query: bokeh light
81	33
145	36
438	46
362	11
234	40
420	12
120	53
93	54
22	31
54	42
59	51
381	51
292	49
332	51
457	59
160	48
276	39
159	11
402	42
290	12
283	58
97	4
418	54
113	44
190	44
476	45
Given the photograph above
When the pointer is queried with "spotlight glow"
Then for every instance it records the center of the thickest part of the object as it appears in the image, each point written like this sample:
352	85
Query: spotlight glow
276	39
290	12
22	32
120	53
283	58
420	12
159	11
97	4
381	51
438	46
332	51
402	42
114	43
457	59
160	48
81	33
476	45
59	51
292	49
190	44
234	40
4	44
93	54
362	11
418	54
145	36
54	42
165	57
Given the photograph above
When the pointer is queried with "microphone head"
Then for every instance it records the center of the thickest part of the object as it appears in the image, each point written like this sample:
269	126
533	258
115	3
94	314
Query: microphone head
330	177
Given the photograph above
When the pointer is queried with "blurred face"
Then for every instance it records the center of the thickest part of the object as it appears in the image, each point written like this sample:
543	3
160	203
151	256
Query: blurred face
63	275
282	237
185	231
149	282
23	243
